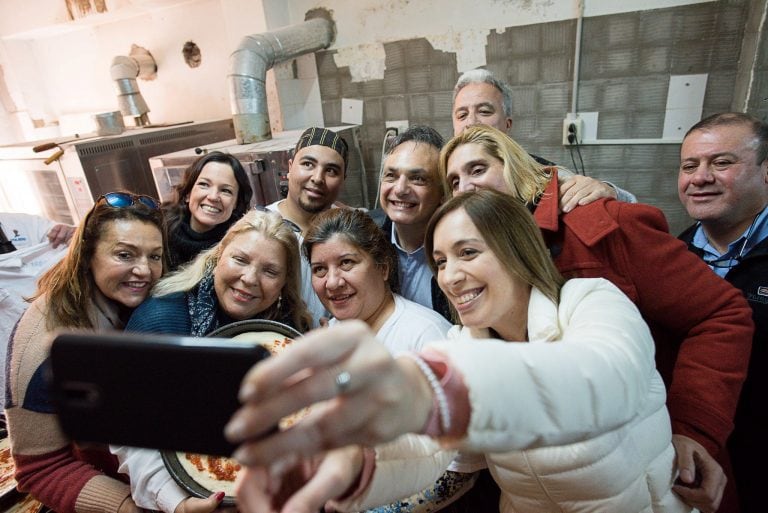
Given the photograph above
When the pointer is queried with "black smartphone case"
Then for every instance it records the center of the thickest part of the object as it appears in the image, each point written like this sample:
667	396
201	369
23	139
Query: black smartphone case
162	392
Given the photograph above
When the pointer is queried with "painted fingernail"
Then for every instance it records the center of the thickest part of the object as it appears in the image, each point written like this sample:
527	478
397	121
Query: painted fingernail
219	496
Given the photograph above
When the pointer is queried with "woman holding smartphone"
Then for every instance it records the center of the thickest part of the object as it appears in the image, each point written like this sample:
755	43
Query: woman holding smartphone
253	273
550	383
115	257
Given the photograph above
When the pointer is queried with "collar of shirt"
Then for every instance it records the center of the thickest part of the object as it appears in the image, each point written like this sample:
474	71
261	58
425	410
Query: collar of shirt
396	243
415	275
759	232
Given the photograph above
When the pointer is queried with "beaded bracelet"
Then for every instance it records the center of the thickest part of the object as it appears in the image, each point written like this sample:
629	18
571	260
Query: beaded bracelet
441	399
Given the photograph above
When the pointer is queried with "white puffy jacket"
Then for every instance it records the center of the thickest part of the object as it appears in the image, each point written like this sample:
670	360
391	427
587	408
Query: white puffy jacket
575	420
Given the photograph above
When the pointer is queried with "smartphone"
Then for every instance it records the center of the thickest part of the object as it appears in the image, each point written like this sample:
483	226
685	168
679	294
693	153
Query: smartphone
143	390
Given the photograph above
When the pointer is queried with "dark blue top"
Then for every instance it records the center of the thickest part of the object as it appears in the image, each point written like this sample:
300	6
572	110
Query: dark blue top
167	314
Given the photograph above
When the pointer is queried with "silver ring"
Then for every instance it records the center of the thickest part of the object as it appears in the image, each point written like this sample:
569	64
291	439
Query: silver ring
343	381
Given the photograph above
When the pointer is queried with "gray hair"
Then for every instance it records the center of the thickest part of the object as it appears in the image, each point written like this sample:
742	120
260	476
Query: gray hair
483	76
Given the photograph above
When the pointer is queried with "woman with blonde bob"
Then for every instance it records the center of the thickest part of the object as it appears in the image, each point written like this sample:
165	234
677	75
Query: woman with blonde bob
550	384
253	273
215	286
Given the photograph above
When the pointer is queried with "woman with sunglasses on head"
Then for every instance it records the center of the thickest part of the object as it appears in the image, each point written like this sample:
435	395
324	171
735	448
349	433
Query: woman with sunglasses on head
115	257
213	194
253	273
549	383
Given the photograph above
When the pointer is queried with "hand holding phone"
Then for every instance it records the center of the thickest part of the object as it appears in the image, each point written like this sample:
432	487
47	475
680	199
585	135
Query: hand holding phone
155	391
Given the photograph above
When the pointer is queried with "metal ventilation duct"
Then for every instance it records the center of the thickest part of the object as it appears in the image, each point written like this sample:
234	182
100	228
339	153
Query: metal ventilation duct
255	55
124	71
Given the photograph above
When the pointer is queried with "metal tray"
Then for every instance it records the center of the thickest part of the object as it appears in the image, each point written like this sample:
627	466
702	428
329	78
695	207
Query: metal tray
171	458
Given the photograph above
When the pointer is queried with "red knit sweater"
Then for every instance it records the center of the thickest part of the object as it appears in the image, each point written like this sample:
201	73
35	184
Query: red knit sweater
48	465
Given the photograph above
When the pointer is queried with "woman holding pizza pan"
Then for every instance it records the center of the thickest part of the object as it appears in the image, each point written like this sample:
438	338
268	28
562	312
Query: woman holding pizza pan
550	383
253	273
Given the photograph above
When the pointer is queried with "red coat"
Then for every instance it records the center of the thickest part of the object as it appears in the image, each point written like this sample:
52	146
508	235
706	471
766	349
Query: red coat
701	325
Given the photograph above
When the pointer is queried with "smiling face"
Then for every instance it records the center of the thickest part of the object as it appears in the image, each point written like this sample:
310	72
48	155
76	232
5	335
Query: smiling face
478	285
127	260
315	178
249	275
410	186
348	281
482	104
213	197
471	167
720	180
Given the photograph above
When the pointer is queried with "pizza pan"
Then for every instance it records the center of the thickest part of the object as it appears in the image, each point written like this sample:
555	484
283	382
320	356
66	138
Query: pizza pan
171	458
187	482
254	326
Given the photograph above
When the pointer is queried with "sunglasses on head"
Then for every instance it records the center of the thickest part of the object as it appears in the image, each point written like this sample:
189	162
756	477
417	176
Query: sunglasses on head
125	200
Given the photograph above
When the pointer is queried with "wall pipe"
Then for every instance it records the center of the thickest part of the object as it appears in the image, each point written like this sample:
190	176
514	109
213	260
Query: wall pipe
255	55
577	57
124	70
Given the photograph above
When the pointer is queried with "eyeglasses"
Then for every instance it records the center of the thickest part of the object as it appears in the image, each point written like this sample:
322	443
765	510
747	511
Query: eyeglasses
125	200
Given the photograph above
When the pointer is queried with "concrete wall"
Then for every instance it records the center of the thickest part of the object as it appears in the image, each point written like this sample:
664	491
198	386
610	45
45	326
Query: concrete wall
401	59
626	63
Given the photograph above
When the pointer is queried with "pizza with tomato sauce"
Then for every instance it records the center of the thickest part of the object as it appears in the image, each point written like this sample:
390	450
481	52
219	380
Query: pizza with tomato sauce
216	473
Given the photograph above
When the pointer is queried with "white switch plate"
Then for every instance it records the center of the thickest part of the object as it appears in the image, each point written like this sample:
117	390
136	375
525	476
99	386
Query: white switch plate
351	111
685	102
400	125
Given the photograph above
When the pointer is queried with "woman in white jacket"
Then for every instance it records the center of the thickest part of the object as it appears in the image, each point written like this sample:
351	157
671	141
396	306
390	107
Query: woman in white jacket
572	420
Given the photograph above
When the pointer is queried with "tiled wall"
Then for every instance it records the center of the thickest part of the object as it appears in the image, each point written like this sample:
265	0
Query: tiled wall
626	63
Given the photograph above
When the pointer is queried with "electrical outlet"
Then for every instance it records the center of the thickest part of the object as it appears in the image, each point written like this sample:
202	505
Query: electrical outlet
401	125
573	129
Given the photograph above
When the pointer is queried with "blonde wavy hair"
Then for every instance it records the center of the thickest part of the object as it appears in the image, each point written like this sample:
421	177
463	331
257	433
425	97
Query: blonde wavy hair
271	226
525	178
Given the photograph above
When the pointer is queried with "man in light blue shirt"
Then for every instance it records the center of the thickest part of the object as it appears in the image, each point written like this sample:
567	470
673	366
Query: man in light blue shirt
411	190
723	184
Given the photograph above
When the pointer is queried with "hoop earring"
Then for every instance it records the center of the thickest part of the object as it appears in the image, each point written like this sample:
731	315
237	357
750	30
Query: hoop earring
279	302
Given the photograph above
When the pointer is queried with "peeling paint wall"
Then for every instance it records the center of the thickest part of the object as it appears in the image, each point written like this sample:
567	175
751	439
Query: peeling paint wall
627	61
365	62
453	26
469	47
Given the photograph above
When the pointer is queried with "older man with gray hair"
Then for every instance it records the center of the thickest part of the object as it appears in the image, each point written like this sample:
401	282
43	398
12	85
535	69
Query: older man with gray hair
481	98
